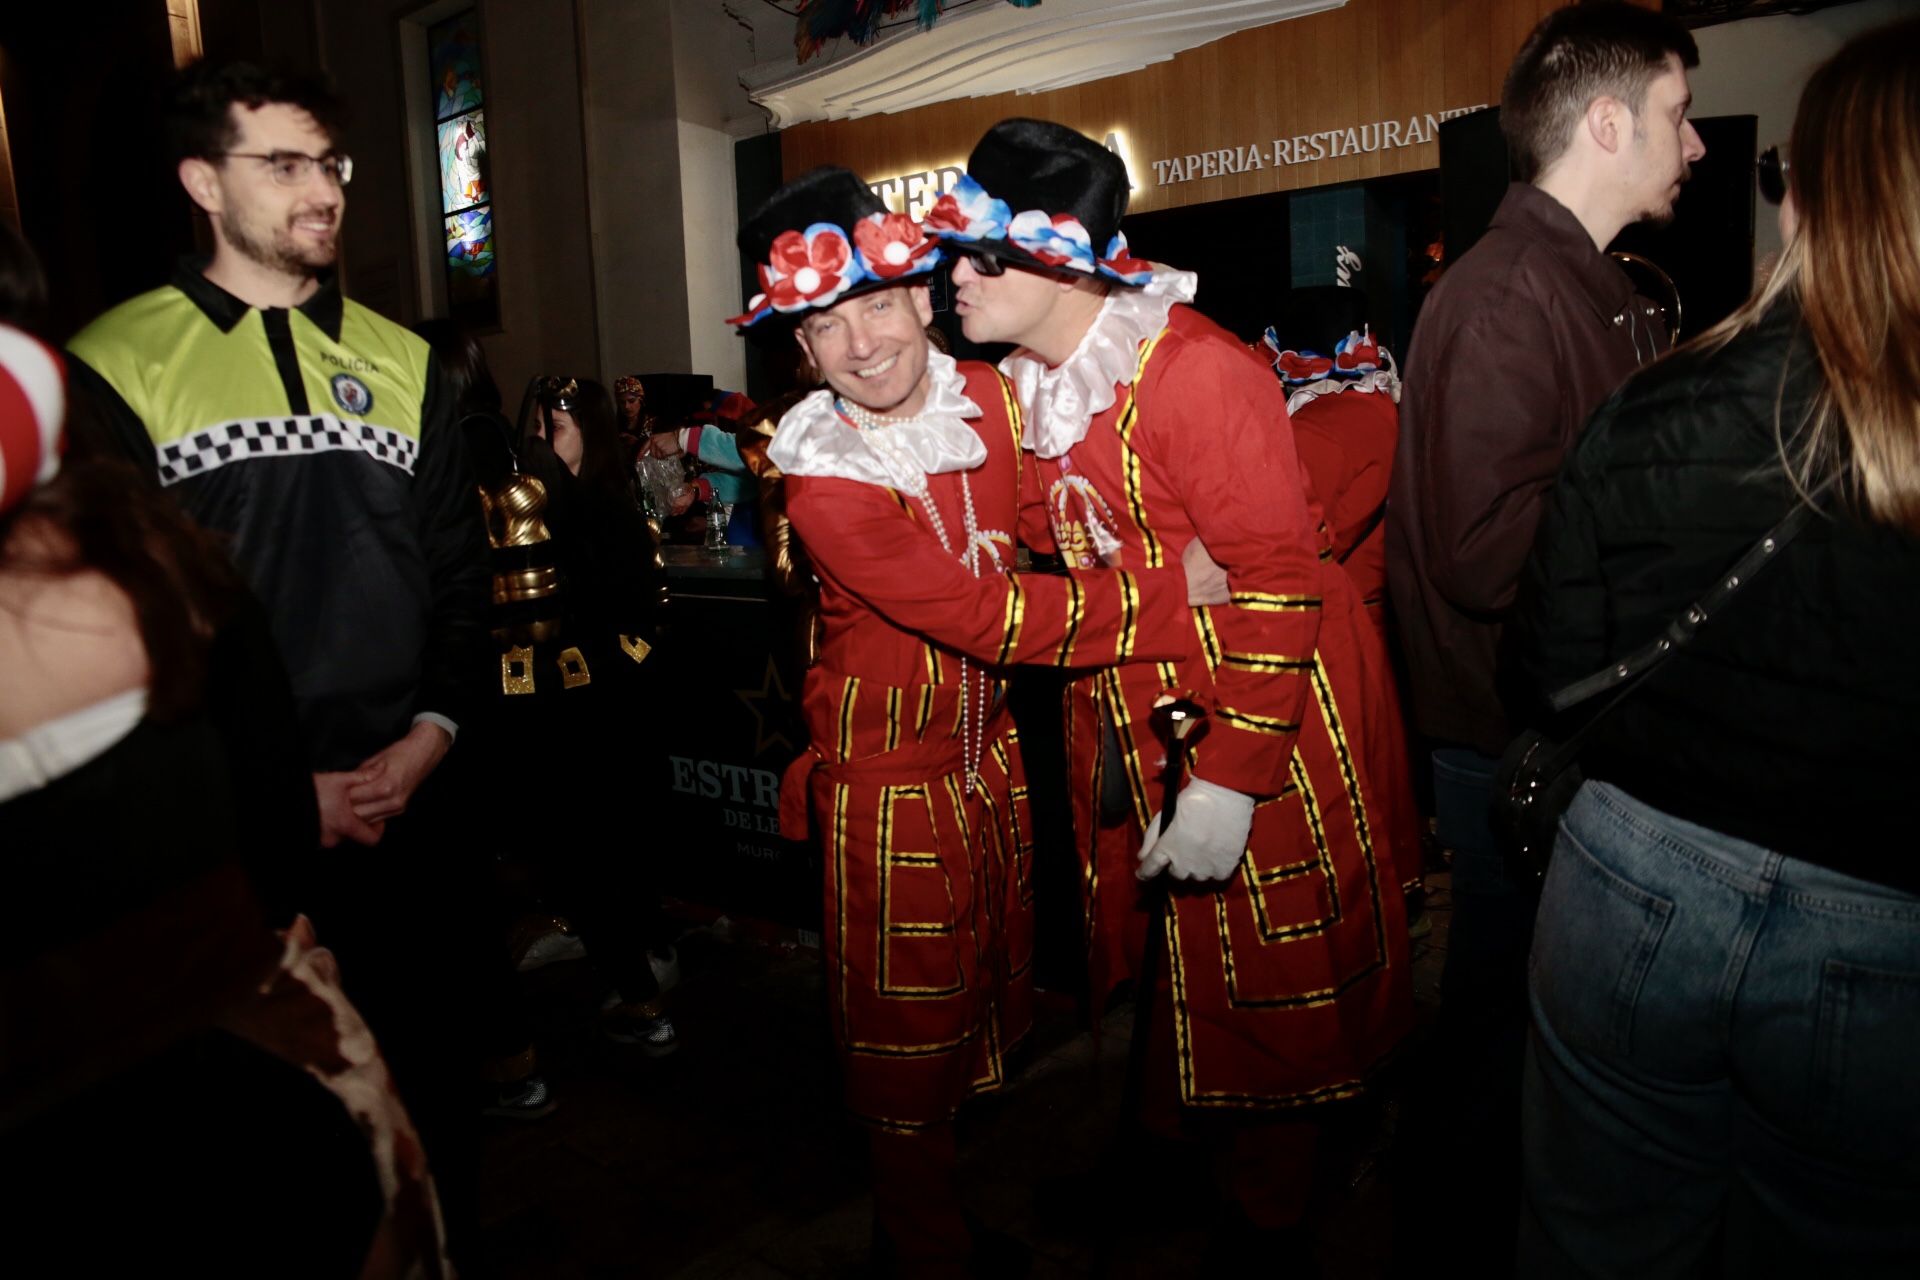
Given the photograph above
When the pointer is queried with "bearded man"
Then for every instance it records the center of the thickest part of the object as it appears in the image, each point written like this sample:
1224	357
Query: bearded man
317	441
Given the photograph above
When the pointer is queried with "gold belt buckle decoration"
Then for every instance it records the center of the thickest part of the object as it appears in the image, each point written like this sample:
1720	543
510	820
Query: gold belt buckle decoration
573	668
516	670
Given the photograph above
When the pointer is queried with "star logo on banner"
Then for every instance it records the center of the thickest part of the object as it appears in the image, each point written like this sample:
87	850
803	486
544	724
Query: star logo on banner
772	691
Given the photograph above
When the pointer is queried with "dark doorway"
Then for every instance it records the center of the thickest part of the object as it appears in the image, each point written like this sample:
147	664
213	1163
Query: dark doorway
1238	248
99	202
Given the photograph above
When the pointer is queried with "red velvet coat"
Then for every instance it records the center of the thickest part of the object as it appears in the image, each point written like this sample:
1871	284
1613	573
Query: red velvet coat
1290	980
929	936
1346	441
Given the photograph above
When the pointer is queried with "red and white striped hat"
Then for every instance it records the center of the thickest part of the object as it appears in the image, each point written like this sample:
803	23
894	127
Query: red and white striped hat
33	412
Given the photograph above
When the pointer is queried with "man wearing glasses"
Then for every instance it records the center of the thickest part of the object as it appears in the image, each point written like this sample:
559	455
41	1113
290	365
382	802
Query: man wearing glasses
315	439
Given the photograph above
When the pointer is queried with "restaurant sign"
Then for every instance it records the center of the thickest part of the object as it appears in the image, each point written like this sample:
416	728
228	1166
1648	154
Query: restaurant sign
1305	148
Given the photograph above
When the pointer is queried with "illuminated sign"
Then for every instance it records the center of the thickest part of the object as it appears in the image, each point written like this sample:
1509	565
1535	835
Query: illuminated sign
1305	148
915	193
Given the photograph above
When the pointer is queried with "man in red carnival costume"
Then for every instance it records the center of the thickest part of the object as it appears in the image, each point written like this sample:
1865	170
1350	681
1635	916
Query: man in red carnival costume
902	481
1344	407
1152	427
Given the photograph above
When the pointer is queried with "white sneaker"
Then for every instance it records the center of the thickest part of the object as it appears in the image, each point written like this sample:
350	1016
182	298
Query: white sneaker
646	1025
553	947
666	967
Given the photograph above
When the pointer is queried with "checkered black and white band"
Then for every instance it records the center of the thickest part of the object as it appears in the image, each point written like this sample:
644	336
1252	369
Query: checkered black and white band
211	448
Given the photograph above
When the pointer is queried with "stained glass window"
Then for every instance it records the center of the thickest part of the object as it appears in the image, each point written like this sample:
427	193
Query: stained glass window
466	192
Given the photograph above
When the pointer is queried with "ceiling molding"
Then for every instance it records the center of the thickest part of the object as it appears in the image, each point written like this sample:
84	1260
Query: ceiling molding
998	48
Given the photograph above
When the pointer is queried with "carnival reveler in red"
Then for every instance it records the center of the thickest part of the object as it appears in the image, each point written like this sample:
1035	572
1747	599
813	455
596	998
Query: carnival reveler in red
1344	408
1151	427
902	481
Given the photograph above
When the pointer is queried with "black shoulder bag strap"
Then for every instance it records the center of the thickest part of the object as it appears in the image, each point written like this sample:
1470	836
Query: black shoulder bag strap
1630	672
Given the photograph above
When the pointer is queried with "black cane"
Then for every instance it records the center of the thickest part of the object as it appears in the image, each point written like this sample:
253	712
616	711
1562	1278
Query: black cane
1173	720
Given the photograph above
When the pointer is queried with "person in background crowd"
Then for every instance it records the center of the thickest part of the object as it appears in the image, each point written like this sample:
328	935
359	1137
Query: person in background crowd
638	426
1727	971
157	811
708	441
317	441
788	569
492	441
1522	338
575	634
1342	397
554	413
902	481
1151	430
636	420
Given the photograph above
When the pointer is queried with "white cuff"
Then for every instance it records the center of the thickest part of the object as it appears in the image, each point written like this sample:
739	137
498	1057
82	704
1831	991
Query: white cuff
435	718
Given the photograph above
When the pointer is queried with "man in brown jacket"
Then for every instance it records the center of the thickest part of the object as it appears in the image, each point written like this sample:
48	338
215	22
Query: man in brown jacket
1523	338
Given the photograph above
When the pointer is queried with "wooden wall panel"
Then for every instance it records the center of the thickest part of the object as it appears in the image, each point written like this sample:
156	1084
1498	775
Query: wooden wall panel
1368	62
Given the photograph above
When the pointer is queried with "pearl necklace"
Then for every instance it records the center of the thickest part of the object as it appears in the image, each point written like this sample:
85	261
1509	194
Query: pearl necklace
973	691
866	419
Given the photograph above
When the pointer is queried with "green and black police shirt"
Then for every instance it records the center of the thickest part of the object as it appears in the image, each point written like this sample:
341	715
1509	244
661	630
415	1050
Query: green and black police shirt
320	444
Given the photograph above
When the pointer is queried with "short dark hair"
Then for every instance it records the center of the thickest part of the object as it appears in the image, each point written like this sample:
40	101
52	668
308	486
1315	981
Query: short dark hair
23	285
464	362
200	120
1577	54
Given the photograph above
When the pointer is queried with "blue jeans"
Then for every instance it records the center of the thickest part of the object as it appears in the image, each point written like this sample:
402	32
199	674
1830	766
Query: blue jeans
1724	1070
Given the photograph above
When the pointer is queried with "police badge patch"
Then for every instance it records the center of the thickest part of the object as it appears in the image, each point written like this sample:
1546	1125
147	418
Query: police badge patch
351	394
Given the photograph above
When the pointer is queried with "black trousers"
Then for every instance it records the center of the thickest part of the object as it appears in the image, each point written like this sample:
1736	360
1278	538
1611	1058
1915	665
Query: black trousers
572	791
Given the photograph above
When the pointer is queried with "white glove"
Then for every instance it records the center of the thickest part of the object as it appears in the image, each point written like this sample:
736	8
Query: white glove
1208	837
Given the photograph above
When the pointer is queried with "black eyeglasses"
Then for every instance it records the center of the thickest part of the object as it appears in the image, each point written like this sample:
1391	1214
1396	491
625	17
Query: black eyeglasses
982	263
1772	173
291	168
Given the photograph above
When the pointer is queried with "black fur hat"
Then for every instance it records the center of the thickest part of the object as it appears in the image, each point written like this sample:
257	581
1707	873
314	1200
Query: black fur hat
1039	195
823	238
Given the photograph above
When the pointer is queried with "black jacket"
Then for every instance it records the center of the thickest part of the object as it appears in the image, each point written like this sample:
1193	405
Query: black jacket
1790	721
319	443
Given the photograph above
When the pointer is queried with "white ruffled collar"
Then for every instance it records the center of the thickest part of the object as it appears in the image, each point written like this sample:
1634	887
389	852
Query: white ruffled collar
1061	402
1384	382
814	440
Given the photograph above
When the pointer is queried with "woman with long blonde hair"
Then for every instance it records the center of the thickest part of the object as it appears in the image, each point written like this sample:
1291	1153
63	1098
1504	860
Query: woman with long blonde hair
1725	980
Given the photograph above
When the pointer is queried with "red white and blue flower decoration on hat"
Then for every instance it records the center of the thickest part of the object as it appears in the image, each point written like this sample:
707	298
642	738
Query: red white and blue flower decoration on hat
813	269
968	215
1358	363
1354	356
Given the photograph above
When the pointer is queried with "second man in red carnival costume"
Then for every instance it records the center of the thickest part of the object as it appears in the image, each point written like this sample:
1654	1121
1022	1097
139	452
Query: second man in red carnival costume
1152	428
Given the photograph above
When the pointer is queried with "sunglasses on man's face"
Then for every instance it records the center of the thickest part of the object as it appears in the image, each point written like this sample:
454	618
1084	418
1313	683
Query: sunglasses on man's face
1772	173
984	264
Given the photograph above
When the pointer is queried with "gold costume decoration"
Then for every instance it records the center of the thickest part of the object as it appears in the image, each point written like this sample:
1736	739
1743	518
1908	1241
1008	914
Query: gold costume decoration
791	571
515	517
516	670
514	513
573	668
525	584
